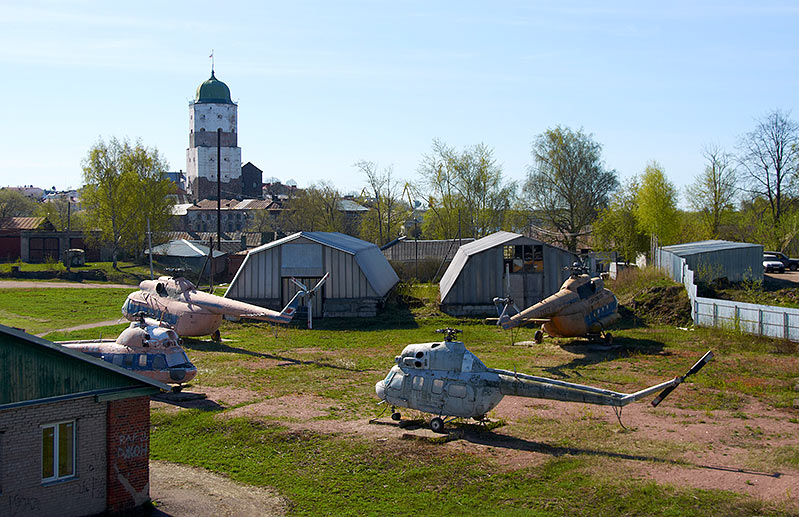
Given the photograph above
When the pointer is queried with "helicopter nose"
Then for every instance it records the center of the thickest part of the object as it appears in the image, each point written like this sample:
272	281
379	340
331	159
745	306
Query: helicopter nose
380	389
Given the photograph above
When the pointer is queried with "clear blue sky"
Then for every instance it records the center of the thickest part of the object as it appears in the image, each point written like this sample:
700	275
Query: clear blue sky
321	85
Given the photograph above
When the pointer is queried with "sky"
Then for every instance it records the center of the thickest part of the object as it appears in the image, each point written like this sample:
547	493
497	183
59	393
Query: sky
322	85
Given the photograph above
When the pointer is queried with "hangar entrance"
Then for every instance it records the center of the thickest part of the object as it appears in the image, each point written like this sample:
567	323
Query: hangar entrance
523	273
288	290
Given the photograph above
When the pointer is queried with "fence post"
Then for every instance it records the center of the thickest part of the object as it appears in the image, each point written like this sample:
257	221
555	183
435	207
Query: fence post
696	312
786	333
737	319
715	315
760	322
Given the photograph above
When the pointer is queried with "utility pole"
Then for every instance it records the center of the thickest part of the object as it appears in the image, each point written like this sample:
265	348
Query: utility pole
219	188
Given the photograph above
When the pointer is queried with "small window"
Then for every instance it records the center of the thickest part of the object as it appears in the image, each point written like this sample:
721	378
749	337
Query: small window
128	360
418	382
142	360
456	389
159	363
438	386
58	451
396	382
117	359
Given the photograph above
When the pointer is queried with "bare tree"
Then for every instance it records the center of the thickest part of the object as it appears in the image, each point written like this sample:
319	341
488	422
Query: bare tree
383	195
769	157
713	192
464	191
568	182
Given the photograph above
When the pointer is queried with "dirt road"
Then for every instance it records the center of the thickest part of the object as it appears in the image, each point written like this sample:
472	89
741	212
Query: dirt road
178	491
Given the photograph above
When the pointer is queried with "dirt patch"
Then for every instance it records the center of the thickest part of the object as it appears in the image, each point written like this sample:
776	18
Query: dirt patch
179	491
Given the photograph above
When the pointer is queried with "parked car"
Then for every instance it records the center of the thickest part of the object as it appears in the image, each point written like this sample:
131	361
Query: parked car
789	263
771	264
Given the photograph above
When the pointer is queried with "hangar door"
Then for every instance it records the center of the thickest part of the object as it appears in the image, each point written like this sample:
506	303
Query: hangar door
523	273
288	290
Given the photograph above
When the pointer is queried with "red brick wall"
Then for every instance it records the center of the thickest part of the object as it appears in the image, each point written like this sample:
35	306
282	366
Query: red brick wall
128	451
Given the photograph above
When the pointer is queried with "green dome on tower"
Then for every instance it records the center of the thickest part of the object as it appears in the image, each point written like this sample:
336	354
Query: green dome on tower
213	90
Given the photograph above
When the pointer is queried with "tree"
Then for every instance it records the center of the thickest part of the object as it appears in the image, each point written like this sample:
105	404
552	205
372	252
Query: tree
62	213
769	157
124	185
313	209
617	229
465	192
713	192
15	204
568	183
656	205
387	212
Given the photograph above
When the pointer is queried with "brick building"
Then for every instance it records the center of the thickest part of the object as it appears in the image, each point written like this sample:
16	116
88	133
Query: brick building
74	430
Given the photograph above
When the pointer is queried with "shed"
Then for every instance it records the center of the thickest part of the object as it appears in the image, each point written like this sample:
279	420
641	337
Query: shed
360	276
709	260
74	430
187	255
502	264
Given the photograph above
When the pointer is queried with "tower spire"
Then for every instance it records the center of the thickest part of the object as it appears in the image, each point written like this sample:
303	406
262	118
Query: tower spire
212	61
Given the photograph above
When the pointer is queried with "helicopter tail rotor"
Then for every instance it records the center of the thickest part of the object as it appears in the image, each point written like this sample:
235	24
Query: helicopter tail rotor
678	380
309	294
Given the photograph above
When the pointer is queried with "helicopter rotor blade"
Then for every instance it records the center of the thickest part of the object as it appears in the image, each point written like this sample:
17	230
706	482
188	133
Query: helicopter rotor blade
299	284
694	369
321	282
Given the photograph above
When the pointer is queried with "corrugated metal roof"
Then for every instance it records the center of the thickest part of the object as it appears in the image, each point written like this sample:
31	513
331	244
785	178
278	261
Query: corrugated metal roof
35	389
370	259
692	248
488	242
183	248
348	205
21	223
405	249
181	209
464	252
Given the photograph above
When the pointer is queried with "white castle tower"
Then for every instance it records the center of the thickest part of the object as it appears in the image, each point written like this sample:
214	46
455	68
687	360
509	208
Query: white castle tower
212	110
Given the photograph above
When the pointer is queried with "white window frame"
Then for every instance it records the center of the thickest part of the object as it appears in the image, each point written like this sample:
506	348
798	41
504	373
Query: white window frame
56	430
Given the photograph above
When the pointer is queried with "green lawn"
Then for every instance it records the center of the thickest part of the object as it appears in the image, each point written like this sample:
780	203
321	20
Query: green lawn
39	310
586	460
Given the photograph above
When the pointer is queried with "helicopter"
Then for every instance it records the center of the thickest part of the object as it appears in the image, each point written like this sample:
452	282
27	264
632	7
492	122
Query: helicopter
447	380
177	303
583	307
145	347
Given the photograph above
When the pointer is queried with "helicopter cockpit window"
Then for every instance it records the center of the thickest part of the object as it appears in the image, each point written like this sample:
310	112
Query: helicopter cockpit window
117	359
396	382
128	360
159	363
160	289
456	389
142	360
438	386
418	382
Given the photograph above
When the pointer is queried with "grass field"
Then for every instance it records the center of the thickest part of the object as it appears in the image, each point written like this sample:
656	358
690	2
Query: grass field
126	272
39	310
290	410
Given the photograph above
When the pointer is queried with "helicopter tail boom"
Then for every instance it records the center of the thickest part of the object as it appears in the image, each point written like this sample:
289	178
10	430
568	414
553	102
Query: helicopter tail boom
541	387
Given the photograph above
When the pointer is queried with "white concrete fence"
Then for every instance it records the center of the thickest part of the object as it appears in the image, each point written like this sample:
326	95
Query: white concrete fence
761	320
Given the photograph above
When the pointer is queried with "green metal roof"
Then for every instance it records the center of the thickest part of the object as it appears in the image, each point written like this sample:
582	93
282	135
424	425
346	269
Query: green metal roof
213	90
34	370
